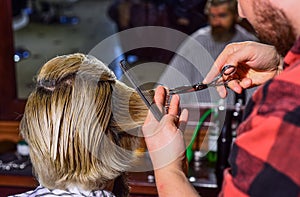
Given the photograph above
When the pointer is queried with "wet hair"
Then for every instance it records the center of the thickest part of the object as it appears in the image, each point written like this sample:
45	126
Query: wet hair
75	123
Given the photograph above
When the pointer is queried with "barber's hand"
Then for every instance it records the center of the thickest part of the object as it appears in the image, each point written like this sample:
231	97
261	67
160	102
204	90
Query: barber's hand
256	63
166	147
164	139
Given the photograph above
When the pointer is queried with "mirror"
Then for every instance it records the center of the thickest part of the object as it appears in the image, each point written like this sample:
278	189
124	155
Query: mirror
55	27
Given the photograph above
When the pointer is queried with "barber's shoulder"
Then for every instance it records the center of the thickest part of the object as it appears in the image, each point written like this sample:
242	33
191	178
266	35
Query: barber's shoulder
202	32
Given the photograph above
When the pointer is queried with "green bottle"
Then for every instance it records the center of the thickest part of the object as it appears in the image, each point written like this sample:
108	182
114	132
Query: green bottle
212	145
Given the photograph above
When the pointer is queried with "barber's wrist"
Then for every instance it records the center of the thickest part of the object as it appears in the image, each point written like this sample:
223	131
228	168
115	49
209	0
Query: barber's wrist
179	165
173	161
169	172
171	180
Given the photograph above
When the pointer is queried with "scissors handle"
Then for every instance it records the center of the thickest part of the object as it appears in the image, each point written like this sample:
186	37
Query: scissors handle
227	71
187	89
200	86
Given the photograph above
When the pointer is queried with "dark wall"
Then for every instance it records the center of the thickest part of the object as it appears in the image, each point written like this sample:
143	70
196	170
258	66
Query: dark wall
10	106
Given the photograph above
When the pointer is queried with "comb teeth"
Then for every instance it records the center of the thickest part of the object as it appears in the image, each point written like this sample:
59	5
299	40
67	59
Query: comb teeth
143	94
167	100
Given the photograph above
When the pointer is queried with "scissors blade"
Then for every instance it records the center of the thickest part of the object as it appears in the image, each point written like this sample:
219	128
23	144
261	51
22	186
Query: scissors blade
187	89
181	90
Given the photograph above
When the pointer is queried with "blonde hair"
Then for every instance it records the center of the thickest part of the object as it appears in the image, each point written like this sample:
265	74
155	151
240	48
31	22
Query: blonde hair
75	123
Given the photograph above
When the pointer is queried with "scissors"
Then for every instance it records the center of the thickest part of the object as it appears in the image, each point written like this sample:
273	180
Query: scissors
227	71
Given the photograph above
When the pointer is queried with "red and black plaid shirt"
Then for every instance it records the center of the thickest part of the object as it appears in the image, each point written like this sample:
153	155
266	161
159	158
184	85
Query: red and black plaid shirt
265	158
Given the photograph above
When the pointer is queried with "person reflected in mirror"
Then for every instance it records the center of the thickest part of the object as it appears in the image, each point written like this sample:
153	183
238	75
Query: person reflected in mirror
197	53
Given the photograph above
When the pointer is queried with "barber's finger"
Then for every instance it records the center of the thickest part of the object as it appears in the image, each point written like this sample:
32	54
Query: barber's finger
219	63
246	83
159	97
174	105
214	71
231	55
222	91
183	120
238	85
235	86
158	100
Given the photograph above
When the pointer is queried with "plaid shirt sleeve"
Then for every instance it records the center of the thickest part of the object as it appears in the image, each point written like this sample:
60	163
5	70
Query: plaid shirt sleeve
265	158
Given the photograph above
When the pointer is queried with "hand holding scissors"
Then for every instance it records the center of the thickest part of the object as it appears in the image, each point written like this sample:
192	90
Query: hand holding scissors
255	64
227	72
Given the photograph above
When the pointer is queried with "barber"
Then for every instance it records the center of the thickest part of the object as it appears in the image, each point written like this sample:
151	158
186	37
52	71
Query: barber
265	156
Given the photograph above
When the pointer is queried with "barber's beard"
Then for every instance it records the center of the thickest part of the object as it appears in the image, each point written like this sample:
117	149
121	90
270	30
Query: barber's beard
221	34
273	27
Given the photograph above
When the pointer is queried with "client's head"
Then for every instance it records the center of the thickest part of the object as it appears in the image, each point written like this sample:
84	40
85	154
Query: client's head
75	121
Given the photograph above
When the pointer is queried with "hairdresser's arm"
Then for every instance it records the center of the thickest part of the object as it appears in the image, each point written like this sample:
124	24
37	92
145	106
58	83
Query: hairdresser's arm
256	63
166	147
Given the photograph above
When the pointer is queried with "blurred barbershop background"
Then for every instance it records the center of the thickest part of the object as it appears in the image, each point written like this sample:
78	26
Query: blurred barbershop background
46	28
34	31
